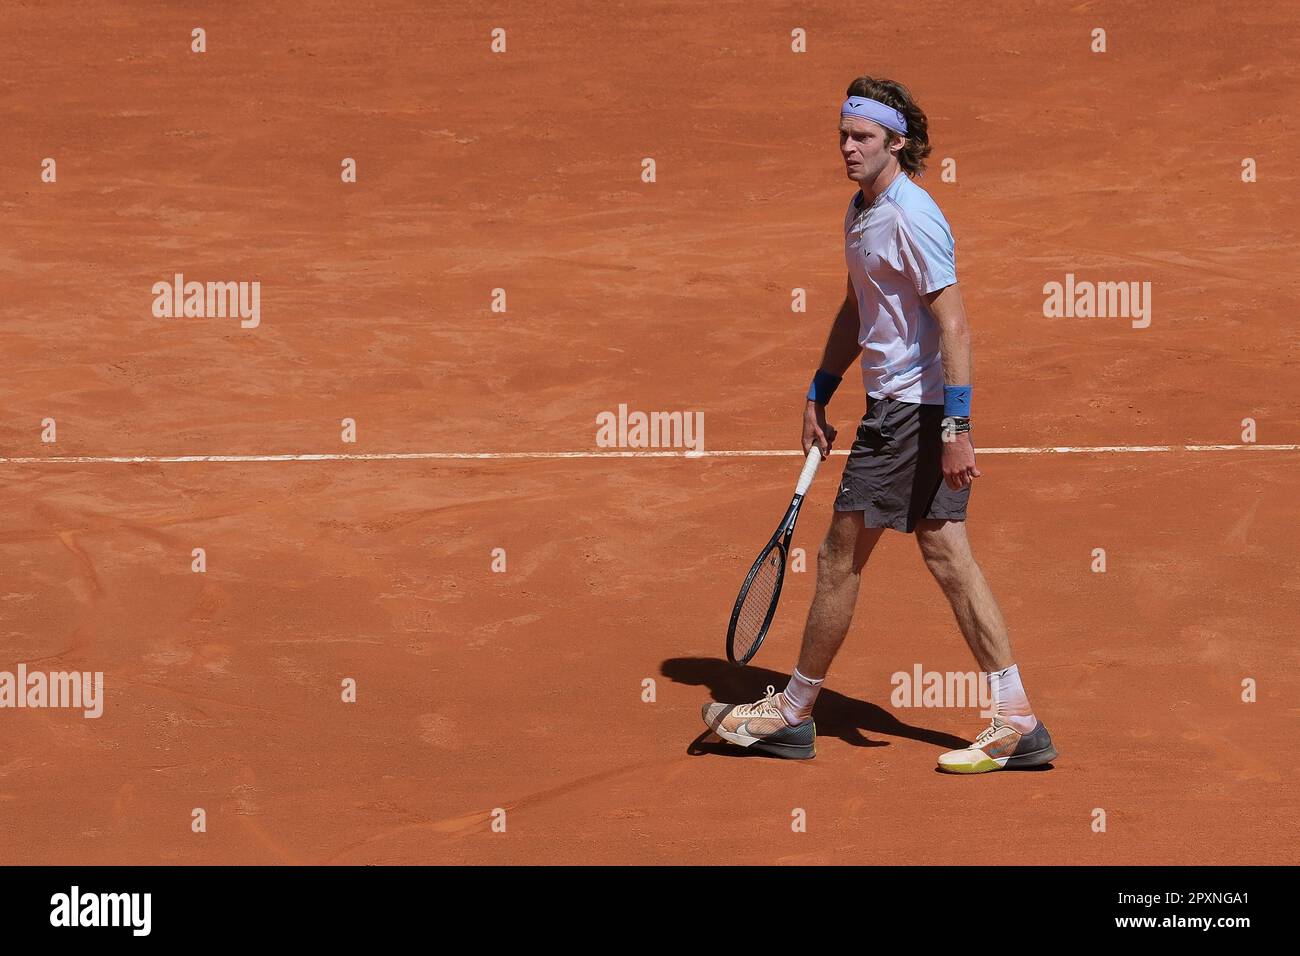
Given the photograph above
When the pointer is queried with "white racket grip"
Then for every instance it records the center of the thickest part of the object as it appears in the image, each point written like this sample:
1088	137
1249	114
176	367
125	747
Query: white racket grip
809	471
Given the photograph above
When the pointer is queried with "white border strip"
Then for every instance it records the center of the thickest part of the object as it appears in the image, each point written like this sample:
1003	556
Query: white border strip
558	455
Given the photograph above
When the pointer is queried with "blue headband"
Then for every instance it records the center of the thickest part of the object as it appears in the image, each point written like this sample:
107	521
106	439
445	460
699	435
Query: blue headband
875	111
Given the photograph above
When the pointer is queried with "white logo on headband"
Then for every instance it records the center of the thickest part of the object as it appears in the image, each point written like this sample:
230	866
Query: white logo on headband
875	111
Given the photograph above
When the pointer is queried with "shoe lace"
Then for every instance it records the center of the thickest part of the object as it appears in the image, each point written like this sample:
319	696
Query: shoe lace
986	734
767	701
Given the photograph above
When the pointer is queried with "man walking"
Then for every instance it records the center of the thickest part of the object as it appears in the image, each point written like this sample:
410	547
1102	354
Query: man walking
912	462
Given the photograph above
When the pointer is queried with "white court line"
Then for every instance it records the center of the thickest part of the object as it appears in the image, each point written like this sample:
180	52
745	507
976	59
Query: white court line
509	455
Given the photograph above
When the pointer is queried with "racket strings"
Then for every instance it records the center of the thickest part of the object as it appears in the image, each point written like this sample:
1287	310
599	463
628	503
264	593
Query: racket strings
758	602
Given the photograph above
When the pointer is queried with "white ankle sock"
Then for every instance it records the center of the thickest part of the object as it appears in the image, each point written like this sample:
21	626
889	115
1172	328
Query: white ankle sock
1010	699
796	701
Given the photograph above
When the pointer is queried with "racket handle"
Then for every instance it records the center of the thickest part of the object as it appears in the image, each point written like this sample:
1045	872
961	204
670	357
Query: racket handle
809	470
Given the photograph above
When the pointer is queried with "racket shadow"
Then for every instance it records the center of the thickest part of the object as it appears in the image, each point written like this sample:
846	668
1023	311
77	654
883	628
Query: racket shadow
837	715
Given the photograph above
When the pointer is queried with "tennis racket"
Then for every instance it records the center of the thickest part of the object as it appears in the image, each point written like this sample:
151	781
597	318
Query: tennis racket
756	603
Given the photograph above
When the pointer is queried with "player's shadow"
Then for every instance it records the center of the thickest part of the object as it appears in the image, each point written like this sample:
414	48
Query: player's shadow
847	718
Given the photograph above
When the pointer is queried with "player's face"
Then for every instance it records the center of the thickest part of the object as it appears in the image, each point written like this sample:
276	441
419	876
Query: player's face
863	149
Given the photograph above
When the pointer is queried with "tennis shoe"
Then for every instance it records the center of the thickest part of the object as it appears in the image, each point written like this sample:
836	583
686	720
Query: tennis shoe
1001	747
761	726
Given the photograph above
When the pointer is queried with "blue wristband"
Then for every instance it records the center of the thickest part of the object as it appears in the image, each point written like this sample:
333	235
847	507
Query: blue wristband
823	387
956	400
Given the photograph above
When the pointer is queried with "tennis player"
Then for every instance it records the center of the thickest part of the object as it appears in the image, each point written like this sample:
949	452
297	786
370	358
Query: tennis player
912	462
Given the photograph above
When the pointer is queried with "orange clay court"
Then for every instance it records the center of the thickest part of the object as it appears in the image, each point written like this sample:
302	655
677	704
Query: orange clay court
522	690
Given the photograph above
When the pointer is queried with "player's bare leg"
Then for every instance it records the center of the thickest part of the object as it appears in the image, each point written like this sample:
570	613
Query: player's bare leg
1016	738
947	554
840	561
781	724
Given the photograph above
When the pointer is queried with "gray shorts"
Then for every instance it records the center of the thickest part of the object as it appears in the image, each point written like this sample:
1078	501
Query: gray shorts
894	474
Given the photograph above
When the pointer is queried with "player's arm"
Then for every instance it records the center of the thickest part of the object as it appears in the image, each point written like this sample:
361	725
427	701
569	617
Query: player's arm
841	349
954	346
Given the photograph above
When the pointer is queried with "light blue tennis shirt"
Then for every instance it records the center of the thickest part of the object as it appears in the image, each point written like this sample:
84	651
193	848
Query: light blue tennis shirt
898	249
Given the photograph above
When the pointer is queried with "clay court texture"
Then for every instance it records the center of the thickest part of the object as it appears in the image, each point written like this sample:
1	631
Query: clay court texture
524	689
